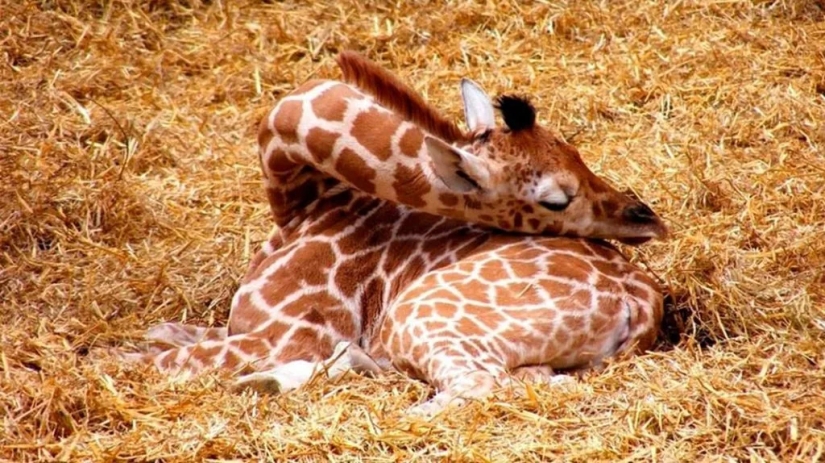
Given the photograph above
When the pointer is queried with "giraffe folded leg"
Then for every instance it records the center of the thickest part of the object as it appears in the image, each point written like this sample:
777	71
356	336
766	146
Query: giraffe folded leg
183	362
461	387
479	384
239	353
537	374
286	377
346	356
179	335
363	363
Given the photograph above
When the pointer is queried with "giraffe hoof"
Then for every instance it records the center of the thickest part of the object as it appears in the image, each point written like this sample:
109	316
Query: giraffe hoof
435	406
560	380
427	409
287	377
340	362
353	357
261	383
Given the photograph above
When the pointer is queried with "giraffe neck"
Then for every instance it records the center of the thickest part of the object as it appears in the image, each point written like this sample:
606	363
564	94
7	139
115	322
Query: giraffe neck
327	136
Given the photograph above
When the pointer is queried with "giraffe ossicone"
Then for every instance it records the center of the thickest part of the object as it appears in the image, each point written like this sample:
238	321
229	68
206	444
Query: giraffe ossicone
390	250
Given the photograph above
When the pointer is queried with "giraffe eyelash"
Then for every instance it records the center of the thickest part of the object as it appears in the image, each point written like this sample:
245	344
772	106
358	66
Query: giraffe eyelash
484	136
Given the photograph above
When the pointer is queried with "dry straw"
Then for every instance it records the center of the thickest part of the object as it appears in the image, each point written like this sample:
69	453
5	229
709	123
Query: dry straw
130	194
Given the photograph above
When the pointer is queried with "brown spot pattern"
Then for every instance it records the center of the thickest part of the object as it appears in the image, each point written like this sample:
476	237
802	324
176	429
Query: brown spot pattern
608	268
411	185
355	272
231	361
364	237
320	254
372	302
246	316
374	130
561	337
307	344
435	326
467	326
576	302
320	143
473	291
275	331
574	269
264	134
287	119
524	269
402	313
398	249
516	294
332	104
411	142
356	171
278	162
448	199
250	345
573	322
472	203
493	271
608	207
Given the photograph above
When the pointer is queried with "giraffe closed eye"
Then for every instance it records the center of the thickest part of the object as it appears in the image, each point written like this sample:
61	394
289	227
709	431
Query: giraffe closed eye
555	206
553	196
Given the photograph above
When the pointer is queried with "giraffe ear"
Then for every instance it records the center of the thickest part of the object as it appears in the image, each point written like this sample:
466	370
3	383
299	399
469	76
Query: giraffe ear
459	170
478	108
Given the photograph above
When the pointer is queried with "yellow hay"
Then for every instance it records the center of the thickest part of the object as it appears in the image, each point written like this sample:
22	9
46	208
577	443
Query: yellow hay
130	194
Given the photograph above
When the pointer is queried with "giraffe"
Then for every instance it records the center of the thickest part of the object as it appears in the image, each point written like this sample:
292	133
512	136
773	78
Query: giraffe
370	193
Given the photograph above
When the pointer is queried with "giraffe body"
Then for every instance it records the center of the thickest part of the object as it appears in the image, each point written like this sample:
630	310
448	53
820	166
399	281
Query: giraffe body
379	202
517	305
322	287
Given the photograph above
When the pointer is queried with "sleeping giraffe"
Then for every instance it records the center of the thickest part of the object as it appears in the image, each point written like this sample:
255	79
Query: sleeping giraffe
405	242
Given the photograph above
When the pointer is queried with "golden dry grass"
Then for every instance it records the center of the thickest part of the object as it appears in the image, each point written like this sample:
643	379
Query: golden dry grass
130	195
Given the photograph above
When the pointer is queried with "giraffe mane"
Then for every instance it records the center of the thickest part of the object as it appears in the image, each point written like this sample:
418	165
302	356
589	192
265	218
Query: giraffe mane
389	91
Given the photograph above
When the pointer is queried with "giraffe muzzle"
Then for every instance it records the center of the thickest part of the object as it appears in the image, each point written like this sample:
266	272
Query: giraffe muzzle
642	224
640	213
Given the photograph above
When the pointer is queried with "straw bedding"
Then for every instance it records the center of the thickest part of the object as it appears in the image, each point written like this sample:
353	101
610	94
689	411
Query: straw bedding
130	194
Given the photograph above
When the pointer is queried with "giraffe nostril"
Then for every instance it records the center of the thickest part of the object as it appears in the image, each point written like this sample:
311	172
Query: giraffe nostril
639	212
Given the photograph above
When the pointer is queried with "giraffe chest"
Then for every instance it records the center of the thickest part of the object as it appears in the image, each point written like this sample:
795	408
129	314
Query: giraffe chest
341	269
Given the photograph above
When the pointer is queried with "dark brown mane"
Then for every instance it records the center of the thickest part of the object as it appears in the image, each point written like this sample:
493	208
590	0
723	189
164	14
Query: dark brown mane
389	91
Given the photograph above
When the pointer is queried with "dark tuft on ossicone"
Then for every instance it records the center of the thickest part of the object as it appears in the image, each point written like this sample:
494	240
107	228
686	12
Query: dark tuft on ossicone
517	111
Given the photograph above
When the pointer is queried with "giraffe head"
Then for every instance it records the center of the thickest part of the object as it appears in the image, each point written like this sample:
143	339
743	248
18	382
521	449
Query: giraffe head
524	178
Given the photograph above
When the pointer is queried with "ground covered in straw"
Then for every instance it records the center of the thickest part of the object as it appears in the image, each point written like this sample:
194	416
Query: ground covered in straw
130	195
